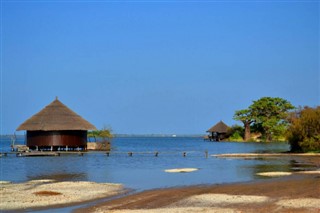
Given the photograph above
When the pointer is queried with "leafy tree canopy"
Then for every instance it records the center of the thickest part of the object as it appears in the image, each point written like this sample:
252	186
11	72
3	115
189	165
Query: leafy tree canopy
271	114
243	115
105	133
267	113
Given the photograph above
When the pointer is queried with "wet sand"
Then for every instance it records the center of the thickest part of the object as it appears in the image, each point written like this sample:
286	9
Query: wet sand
299	193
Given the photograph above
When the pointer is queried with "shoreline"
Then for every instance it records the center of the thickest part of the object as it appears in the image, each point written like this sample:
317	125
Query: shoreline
298	192
293	186
278	195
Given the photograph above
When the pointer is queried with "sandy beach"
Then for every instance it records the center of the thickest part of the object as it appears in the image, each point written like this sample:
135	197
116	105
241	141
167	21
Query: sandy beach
299	193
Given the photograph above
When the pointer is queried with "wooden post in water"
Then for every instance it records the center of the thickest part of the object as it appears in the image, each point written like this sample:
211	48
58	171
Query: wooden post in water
156	154
206	153
130	154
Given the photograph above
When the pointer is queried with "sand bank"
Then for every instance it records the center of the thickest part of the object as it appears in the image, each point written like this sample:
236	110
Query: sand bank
258	155
181	170
40	193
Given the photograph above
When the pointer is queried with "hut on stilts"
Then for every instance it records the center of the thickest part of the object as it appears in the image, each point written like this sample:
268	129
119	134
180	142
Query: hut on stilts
218	132
56	128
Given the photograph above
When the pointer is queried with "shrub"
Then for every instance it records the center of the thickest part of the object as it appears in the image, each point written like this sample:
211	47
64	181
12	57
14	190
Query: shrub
235	133
304	132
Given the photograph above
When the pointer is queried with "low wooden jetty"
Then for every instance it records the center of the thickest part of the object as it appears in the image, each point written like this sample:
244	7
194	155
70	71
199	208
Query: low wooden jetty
37	154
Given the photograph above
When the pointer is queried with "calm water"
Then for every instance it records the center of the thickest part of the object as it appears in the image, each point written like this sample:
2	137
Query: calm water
144	171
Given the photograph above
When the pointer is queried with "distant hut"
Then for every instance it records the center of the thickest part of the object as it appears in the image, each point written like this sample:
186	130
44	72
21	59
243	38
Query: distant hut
218	132
56	127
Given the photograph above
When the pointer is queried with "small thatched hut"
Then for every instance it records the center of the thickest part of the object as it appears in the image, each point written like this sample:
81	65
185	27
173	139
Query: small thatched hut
56	127
218	132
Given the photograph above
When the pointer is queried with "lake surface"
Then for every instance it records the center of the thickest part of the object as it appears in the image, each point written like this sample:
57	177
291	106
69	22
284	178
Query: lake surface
143	170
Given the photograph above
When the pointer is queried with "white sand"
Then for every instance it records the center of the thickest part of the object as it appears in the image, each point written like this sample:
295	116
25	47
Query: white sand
300	203
23	195
219	203
200	203
309	172
278	174
181	170
274	174
174	210
209	200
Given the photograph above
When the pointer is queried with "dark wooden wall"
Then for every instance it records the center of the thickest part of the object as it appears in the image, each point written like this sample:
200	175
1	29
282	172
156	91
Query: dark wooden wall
64	138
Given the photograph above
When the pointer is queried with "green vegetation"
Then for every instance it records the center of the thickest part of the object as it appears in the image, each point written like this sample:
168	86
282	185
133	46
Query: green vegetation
271	119
235	133
105	134
267	116
304	131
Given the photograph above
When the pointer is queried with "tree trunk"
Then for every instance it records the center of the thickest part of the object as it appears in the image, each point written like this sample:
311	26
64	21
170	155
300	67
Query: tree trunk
247	132
268	136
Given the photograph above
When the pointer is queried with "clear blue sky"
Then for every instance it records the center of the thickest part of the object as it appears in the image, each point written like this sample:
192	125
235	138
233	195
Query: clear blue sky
156	67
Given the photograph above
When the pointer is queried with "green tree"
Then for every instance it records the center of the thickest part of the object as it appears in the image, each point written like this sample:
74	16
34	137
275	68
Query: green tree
246	118
106	133
271	114
304	131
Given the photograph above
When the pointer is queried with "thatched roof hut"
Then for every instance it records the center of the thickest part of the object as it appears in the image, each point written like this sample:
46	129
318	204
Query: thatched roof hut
218	131
220	127
56	126
56	116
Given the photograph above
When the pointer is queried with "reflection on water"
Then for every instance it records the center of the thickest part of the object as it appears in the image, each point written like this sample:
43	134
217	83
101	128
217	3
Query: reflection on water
59	176
58	168
298	166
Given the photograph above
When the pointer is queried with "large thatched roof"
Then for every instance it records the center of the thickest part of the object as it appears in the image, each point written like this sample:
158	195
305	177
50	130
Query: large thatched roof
55	117
220	127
